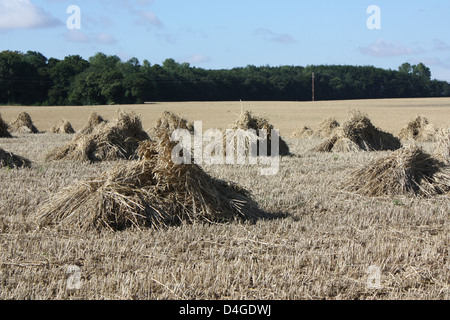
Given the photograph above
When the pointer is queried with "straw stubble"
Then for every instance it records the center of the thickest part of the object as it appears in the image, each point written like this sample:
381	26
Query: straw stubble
358	134
103	141
151	192
407	171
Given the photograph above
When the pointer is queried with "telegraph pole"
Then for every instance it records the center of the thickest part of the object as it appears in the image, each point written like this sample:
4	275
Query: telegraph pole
313	93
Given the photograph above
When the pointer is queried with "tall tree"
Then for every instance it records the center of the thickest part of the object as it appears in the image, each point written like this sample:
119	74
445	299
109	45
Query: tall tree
63	74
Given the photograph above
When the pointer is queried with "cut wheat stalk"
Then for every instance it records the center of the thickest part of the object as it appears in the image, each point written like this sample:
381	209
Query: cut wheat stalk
419	130
407	171
442	145
10	160
105	141
151	192
23	124
63	127
358	134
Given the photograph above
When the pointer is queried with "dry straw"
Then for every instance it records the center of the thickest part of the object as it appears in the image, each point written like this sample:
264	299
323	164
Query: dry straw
358	134
23	124
326	128
10	160
151	192
107	141
93	121
419	129
247	121
4	127
305	132
407	171
63	127
442	145
170	121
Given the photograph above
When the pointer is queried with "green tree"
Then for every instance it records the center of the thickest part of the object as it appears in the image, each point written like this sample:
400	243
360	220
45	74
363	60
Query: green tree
111	87
86	90
18	79
405	68
422	71
63	73
101	62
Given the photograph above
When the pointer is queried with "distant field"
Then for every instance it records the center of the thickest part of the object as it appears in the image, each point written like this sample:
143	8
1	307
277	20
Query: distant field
391	115
330	245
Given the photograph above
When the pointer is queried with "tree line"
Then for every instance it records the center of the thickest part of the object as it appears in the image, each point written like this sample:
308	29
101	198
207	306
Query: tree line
32	79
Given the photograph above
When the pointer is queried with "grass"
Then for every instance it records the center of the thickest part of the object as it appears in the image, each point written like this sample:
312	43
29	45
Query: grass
323	249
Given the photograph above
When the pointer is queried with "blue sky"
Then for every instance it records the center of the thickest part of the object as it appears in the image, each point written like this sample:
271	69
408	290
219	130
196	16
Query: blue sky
215	34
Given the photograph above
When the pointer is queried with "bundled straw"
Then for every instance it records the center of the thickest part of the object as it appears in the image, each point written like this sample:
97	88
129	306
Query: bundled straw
63	127
170	121
419	129
106	142
11	160
152	192
305	132
4	133
248	121
442	145
357	134
326	128
23	124
407	171
93	121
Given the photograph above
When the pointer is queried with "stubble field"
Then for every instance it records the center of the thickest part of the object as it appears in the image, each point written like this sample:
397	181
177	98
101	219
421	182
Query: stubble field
331	244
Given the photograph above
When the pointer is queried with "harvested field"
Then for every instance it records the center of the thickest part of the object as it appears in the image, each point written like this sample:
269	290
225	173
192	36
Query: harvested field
63	127
325	245
358	133
152	192
93	121
409	170
389	114
305	132
170	121
419	129
248	121
326	128
4	127
103	141
10	160
23	124
442	145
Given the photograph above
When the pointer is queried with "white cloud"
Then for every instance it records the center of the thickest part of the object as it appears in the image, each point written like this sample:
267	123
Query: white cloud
22	14
76	36
275	37
105	38
150	17
383	48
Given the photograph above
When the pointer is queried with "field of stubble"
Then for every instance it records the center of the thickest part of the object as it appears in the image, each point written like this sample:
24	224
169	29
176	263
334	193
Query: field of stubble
331	245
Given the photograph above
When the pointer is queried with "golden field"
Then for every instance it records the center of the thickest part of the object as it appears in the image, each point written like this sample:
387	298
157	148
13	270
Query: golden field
390	115
326	247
